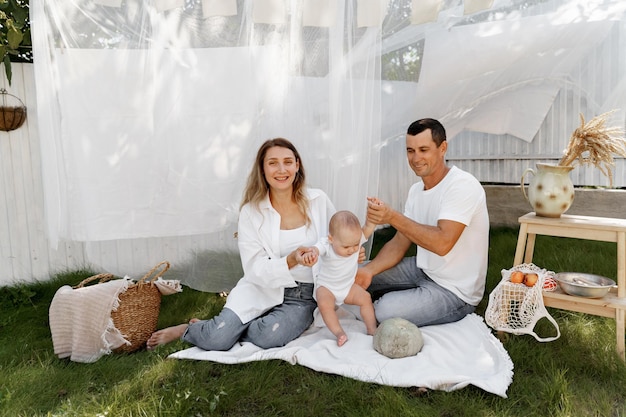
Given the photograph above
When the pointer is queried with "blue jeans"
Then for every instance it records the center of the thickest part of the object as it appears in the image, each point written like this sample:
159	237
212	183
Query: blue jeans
410	294
277	327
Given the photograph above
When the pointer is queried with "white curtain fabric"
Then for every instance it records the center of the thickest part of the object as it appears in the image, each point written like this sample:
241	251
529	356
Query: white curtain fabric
150	112
151	119
160	120
506	80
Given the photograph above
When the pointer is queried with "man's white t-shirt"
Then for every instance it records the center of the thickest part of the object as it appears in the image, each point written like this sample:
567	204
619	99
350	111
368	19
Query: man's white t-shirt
459	197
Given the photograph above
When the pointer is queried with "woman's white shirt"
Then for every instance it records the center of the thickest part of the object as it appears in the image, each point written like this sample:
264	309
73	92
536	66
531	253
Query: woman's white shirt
266	274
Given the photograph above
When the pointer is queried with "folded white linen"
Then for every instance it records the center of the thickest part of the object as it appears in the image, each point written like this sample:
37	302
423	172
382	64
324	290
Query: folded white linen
168	286
454	355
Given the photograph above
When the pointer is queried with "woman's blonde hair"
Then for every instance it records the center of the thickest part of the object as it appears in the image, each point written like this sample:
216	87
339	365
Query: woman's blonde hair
257	186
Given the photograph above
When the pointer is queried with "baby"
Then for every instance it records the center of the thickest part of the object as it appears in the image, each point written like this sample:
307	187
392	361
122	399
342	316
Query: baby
338	257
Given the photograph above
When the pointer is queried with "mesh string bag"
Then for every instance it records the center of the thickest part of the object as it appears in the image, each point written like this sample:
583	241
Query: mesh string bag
516	308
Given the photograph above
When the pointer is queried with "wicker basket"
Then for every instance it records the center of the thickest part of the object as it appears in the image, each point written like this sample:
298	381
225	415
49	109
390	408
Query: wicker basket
12	111
138	312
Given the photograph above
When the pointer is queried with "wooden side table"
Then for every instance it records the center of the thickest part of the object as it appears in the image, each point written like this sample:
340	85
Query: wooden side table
612	305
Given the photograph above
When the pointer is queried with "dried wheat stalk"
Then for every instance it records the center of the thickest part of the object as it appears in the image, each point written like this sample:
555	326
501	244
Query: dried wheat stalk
594	143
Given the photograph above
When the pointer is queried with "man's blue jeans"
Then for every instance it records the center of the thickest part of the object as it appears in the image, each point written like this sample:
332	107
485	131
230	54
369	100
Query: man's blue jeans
410	294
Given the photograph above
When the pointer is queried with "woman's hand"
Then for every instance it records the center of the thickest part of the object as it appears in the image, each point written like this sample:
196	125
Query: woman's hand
307	256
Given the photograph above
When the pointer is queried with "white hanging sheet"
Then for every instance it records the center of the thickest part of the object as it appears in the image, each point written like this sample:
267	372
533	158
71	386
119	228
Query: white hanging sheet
157	134
150	113
506	78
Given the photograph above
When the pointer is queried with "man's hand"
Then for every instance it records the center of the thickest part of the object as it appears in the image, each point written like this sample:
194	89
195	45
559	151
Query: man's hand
378	212
363	278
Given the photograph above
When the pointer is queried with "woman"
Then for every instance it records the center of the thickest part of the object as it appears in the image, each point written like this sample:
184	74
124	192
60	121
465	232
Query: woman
273	303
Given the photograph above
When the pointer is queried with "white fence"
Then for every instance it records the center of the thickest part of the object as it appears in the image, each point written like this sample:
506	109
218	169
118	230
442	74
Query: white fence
26	255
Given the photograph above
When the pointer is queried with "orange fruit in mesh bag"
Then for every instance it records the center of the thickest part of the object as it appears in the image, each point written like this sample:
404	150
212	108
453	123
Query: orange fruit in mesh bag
517	277
530	279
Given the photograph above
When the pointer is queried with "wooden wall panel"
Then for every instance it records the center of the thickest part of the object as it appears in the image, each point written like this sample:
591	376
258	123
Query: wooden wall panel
25	252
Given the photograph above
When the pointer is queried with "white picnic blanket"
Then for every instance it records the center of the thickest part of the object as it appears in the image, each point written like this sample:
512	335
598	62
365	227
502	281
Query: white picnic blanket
454	355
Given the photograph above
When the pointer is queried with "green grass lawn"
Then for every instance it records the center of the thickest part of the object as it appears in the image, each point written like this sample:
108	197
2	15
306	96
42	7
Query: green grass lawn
577	375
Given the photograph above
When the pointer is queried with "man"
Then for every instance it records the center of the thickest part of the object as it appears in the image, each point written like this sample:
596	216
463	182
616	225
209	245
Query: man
446	217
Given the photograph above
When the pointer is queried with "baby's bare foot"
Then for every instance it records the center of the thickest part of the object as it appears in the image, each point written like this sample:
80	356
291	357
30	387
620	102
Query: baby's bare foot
164	336
341	339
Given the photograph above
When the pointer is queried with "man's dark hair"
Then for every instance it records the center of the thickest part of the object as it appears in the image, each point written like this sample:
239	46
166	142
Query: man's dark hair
436	129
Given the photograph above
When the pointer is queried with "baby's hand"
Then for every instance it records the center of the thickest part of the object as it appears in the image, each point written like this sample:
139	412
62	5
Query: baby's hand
375	201
309	258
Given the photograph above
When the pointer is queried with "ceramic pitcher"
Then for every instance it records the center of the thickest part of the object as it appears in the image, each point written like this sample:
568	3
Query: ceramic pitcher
550	191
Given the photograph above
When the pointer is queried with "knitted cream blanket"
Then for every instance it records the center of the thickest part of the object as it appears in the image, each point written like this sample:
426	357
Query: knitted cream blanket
81	323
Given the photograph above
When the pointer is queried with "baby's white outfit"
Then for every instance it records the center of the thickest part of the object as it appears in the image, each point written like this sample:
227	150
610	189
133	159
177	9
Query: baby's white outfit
335	272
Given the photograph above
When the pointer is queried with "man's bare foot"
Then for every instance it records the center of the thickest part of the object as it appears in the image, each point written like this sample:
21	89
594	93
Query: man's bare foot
341	339
163	336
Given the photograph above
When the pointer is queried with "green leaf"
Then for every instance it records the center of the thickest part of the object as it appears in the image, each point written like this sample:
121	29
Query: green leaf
7	68
27	41
14	37
20	15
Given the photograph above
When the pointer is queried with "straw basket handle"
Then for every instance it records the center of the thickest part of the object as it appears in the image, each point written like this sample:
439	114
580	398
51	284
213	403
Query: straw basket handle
164	264
101	277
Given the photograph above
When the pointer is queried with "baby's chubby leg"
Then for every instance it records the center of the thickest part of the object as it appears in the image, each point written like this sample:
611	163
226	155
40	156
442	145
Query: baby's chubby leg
326	305
360	297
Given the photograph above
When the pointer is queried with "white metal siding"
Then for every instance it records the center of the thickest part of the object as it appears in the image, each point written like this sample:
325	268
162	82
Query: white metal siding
503	158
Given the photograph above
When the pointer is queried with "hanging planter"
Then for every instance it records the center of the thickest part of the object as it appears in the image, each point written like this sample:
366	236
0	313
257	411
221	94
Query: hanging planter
12	111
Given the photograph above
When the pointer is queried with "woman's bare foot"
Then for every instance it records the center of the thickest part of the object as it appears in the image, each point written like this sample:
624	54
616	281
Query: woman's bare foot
163	336
341	339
